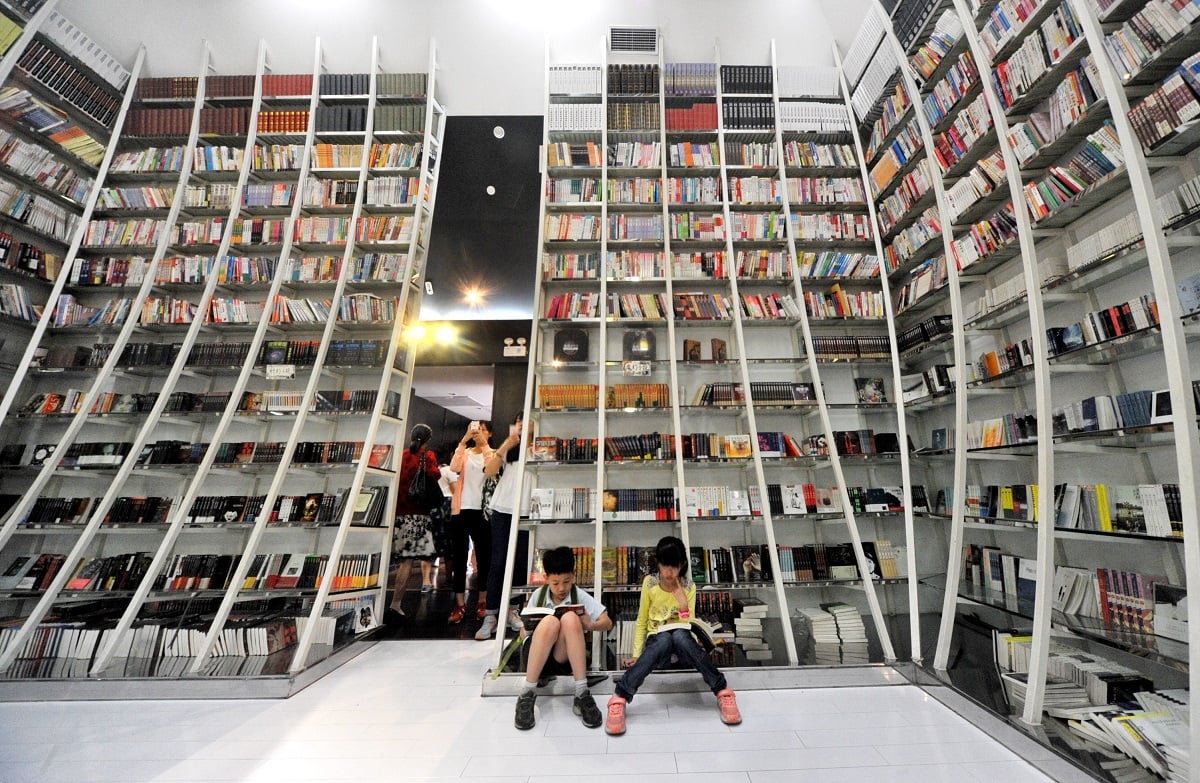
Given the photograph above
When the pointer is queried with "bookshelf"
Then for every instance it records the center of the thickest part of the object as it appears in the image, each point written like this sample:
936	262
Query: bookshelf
265	237
699	264
51	150
1091	251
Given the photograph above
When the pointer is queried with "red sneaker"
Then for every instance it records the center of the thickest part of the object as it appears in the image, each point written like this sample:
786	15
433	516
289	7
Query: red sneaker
615	724
456	616
481	610
729	708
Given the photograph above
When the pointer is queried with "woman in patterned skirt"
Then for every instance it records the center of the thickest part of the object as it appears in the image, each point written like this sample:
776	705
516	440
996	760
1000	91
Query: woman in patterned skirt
412	538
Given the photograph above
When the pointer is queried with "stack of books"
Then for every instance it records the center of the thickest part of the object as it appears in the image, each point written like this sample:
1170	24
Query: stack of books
821	628
748	629
851	632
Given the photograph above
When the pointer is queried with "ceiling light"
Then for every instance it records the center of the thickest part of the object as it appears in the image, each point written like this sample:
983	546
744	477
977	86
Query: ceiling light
473	296
429	287
498	131
416	333
491	190
446	335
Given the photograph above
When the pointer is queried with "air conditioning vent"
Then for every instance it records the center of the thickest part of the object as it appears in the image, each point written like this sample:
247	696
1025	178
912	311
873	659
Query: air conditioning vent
633	40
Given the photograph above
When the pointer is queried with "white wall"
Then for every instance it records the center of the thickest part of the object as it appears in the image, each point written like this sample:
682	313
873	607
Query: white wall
491	52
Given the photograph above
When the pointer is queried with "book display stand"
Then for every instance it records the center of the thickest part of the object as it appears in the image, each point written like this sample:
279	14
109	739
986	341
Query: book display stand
212	405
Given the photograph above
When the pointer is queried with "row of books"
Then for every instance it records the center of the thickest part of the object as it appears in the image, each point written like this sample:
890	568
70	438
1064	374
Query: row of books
1010	358
1141	39
632	115
28	258
986	237
875	79
1041	50
43	166
1105	324
946	32
18	104
960	79
698	115
1098	158
61	76
1147	509
838	303
761	392
970	125
749	113
1009	287
576	80
36	212
983	178
1171	106
926	278
15	303
1070	101
911	192
632	79
893	114
931	382
829	347
820	562
1109	411
912	238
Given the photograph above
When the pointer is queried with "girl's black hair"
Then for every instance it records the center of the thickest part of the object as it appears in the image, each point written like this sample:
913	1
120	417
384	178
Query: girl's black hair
671	552
419	436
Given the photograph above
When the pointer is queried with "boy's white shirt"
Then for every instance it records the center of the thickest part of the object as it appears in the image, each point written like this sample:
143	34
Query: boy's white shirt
594	608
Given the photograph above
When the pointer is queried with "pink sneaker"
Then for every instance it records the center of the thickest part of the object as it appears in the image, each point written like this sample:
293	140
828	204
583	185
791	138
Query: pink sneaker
729	709
615	724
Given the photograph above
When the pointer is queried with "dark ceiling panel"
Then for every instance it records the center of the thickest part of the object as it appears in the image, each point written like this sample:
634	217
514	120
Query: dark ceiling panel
483	240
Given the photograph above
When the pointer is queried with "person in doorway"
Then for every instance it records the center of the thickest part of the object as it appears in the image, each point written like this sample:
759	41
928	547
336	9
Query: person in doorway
467	522
667	606
505	503
412	538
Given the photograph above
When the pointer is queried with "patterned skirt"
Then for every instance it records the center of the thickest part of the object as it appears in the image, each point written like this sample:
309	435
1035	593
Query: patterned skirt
413	536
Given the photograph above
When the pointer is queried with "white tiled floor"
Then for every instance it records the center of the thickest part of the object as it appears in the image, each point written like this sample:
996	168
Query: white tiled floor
411	711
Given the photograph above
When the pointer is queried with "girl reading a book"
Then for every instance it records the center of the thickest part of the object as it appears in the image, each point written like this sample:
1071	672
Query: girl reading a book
667	607
413	535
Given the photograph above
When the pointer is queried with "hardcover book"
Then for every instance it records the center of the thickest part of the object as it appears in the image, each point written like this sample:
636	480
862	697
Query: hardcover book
870	390
570	345
638	345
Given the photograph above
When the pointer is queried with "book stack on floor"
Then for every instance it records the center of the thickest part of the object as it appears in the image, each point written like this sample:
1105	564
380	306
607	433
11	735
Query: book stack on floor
821	628
748	629
851	632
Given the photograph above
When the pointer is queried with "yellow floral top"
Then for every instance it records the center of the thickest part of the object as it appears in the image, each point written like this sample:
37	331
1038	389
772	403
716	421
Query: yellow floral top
659	607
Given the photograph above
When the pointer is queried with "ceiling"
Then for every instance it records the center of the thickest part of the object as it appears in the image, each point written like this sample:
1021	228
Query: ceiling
481	240
466	391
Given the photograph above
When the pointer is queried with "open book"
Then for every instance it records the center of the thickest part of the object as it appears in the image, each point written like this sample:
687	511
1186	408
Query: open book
532	615
702	630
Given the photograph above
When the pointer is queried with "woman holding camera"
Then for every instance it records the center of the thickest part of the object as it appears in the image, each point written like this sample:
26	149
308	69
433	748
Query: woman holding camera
467	519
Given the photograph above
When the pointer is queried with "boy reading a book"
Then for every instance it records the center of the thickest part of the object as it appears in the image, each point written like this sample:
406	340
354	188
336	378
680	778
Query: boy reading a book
563	614
664	630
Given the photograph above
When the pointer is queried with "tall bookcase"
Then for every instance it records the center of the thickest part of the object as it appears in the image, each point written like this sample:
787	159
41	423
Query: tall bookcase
59	96
1070	315
711	352
228	363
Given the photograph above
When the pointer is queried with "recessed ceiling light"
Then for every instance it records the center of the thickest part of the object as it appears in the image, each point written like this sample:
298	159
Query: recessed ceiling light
498	131
491	190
